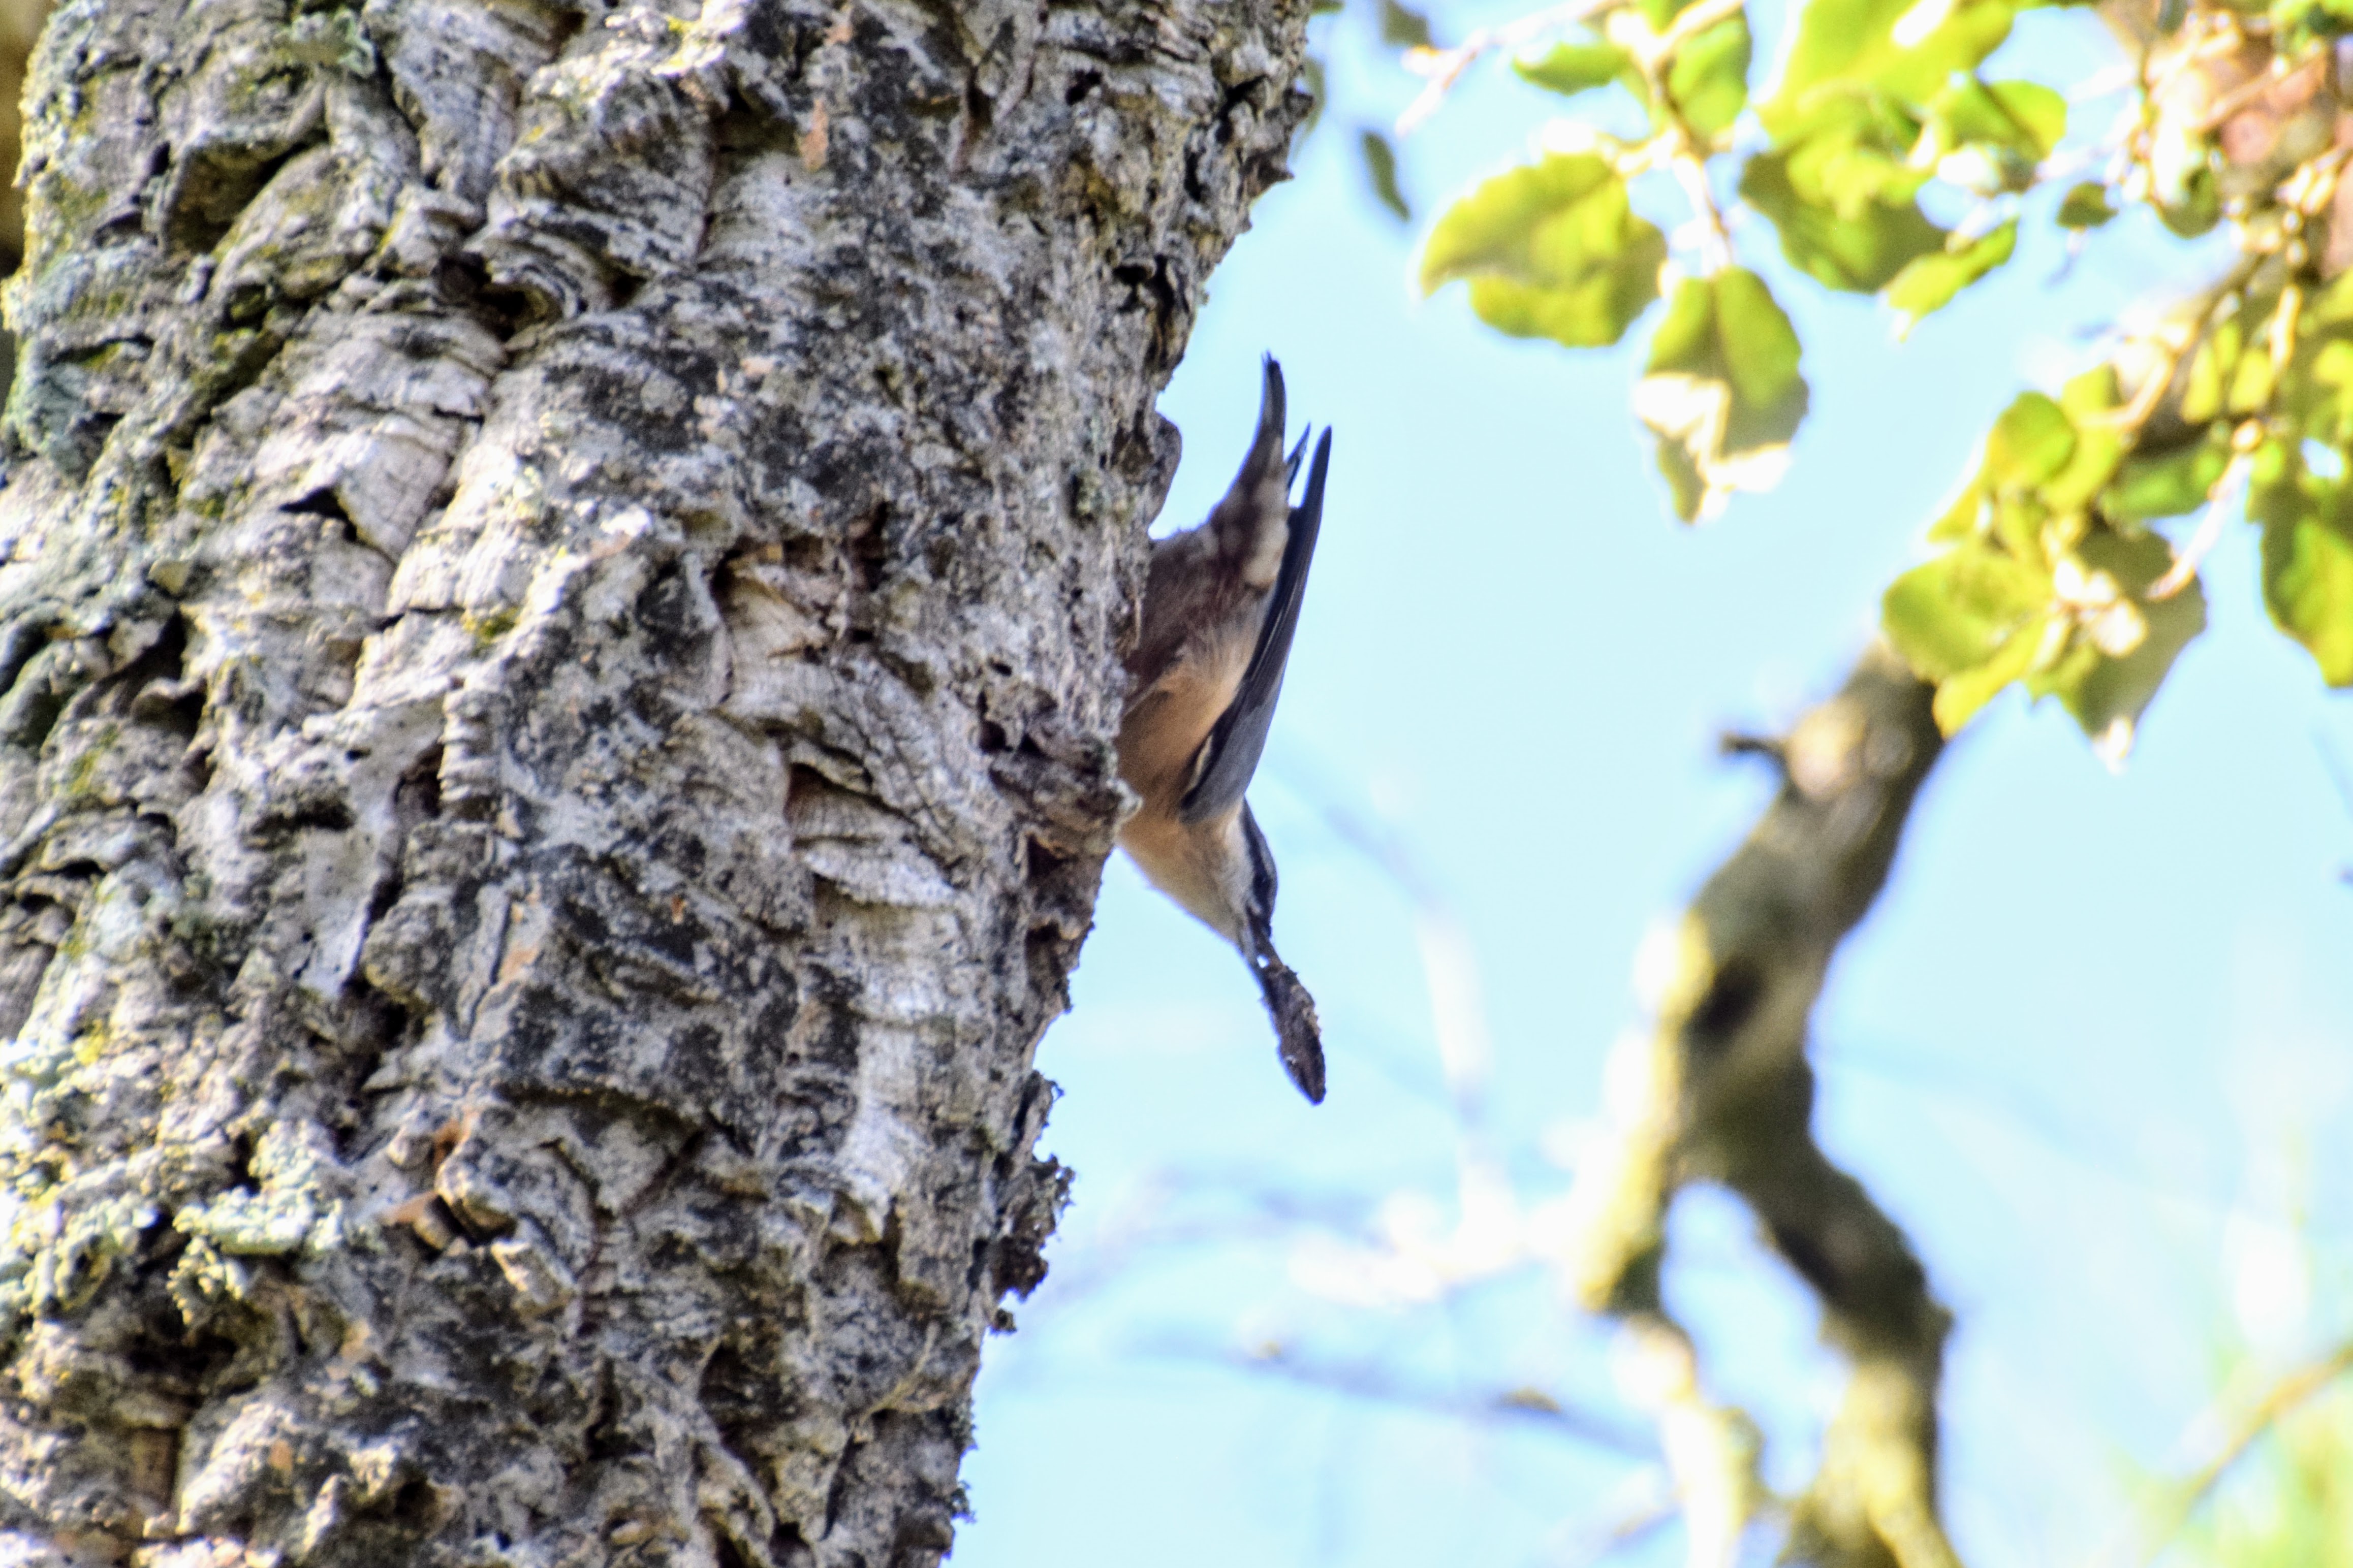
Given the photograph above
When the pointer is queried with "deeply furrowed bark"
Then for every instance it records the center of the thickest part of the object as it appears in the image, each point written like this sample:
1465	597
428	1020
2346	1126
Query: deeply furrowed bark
563	573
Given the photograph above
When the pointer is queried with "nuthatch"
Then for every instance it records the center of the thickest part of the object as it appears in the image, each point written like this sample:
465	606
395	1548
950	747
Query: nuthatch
1221	603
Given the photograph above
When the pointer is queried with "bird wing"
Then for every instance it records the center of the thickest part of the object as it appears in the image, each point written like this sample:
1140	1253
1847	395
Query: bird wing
1230	754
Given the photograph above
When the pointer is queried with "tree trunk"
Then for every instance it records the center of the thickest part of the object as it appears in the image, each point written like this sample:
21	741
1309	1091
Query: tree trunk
564	574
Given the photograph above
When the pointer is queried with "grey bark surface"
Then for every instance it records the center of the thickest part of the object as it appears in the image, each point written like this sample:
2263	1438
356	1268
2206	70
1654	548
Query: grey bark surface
562	575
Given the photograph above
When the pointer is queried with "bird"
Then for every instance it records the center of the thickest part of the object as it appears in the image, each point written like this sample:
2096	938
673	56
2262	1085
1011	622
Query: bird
1220	603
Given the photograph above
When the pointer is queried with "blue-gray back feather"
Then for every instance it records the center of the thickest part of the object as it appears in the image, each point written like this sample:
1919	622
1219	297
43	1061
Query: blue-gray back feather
1235	744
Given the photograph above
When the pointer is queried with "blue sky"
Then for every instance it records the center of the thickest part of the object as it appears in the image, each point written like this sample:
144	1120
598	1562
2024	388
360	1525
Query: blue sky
2095	1048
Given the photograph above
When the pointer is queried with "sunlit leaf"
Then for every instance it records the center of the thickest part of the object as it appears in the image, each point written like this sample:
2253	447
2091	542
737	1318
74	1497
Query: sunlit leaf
2106	681
2031	441
2296	23
2025	117
2317	391
1929	283
2251	383
2099	446
2217	355
1722	389
1381	174
1960	696
2085	206
1576	65
1851	151
2166	484
1709	79
1957	612
2309	565
1861	249
1550	250
1910	49
1976	619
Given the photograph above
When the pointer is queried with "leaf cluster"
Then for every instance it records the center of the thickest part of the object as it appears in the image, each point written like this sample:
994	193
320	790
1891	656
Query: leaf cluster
2047	570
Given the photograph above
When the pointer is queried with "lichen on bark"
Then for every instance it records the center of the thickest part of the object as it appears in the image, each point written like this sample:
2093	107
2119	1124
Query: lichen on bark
562	570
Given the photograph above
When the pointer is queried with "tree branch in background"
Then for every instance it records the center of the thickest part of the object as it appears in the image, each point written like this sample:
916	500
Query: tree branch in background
1374	1383
1718	1089
2227	1442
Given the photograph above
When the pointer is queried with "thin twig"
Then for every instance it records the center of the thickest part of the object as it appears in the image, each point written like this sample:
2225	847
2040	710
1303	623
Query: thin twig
1450	974
1691	172
1690	23
1440	68
2129	419
1376	1385
2278	1402
1630	1529
2220	501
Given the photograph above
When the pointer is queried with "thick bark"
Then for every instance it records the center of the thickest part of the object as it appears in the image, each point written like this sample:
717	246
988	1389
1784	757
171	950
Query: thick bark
564	574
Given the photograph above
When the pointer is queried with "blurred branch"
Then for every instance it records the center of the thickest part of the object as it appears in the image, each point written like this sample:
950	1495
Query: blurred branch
1488	1234
2277	1402
1441	69
1376	1384
1630	1529
1449	964
1718	1088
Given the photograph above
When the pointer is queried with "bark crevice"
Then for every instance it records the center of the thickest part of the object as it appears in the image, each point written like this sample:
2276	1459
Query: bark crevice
562	596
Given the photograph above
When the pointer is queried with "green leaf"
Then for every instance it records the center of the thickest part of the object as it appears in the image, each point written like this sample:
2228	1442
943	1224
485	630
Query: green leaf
2252	381
1843	242
1910	49
2166	484
2029	443
2099	449
2309	567
1576	65
1976	618
2197	206
2318	390
2203	388
2085	206
1955	613
2116	660
2296	23
1709	79
1958	699
2021	117
1853	151
1381	173
1403	27
1722	389
1550	250
1929	283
